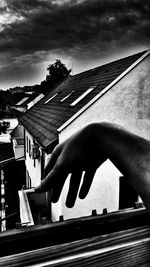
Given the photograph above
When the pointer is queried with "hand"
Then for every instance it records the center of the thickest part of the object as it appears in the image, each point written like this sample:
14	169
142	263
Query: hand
87	150
79	153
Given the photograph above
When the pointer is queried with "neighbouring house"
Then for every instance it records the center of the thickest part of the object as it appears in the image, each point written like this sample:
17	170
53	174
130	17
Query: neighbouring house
17	135
115	92
2	109
26	102
17	138
12	122
16	90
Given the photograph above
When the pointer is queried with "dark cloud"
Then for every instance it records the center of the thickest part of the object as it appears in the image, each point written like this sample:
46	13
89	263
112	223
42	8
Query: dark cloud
81	29
11	74
47	26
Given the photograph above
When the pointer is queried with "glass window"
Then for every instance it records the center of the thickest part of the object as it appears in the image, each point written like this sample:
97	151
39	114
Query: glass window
67	96
29	148
48	100
82	96
27	144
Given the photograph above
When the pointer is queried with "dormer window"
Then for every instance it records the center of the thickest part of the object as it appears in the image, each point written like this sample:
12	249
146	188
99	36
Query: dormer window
48	100
67	96
82	96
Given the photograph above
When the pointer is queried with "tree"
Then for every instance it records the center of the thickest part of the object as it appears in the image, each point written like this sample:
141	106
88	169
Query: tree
4	125
57	72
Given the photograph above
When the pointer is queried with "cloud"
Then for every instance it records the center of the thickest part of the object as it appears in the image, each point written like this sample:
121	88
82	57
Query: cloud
47	25
81	29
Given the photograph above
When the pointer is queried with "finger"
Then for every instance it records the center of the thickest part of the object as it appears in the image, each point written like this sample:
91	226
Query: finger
54	156
45	184
57	188
87	181
51	179
73	188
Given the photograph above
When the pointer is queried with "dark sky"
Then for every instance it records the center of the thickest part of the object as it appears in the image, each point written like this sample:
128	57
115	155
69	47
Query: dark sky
82	33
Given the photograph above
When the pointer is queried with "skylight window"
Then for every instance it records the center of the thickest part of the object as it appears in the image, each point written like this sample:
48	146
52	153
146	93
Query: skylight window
22	101
67	96
82	96
48	100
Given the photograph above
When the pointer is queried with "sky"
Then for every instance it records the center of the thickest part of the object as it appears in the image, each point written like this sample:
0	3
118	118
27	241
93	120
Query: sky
81	33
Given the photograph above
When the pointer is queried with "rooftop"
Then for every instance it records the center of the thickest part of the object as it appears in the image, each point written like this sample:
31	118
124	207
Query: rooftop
44	119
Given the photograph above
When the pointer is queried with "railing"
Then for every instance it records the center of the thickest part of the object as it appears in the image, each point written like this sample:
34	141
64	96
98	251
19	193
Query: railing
128	247
57	233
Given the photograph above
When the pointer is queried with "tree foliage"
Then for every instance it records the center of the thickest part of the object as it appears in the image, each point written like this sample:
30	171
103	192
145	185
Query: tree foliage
4	125
57	73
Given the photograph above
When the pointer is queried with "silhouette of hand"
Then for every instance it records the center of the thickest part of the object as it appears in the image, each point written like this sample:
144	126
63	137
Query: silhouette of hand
87	150
79	153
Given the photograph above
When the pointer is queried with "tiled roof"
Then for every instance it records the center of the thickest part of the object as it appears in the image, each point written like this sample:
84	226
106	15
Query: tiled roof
6	152
43	119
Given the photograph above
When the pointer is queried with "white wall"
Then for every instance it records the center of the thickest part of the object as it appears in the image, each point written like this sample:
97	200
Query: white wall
128	104
34	171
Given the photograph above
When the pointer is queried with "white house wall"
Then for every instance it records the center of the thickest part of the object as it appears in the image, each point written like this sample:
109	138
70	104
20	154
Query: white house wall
128	104
33	171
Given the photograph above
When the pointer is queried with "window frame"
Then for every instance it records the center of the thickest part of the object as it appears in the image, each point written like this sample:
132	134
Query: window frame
51	98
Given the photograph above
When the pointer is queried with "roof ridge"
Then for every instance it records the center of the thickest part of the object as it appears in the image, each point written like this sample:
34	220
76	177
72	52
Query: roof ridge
142	55
109	63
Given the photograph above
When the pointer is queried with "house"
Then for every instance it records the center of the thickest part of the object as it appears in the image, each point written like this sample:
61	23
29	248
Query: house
17	135
17	138
16	90
115	92
26	102
12	123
